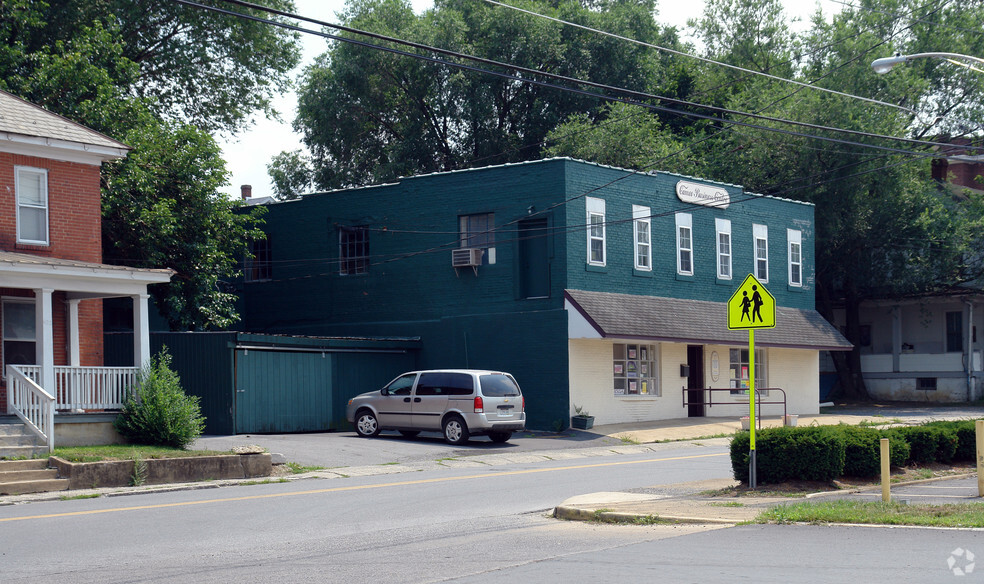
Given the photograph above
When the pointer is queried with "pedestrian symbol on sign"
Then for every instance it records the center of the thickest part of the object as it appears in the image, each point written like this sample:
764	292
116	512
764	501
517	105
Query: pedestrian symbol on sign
751	306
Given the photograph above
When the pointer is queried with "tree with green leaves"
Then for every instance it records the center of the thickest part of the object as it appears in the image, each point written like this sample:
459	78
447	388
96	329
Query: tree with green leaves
369	116
883	227
158	76
291	174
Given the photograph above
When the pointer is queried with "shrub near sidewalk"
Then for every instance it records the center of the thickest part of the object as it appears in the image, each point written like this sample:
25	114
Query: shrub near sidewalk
823	453
157	411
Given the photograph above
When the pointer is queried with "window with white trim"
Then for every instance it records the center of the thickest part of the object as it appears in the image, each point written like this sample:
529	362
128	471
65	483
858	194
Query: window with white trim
19	333
740	375
31	185
596	230
795	239
685	244
641	221
761	237
634	369
723	229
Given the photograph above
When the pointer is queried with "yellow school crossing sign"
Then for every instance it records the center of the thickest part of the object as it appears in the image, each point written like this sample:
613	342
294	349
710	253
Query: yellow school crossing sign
751	306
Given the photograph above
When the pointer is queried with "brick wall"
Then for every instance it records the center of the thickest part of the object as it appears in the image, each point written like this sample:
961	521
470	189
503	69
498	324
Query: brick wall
74	214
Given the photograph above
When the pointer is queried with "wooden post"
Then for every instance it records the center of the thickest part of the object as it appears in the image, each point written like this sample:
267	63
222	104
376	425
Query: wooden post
979	429
886	471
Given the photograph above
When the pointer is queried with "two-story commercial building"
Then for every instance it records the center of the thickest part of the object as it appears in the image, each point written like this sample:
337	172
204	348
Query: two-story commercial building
595	286
51	276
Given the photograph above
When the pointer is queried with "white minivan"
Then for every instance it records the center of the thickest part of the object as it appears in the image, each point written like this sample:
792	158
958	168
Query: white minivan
458	402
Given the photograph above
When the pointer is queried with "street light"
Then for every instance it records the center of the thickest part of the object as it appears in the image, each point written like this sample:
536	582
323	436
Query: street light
885	64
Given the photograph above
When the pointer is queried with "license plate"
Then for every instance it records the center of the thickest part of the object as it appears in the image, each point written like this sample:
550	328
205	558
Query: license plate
506	411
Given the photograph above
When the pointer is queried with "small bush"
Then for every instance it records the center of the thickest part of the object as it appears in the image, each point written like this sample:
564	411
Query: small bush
966	434
922	443
862	450
158	412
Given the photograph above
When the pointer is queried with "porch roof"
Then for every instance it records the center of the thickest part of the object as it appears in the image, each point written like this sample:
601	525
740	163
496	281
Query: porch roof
80	279
698	321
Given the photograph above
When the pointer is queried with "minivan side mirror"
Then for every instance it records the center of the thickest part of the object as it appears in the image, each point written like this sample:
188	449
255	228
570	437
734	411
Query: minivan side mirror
384	391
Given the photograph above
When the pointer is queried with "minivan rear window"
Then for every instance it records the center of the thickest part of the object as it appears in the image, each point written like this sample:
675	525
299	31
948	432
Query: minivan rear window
445	384
498	385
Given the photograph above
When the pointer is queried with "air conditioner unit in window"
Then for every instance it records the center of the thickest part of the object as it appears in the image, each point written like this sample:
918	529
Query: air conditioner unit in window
466	257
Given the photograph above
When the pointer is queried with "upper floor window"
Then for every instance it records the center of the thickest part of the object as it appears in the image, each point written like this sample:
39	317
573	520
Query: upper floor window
685	244
643	247
761	242
723	229
353	250
258	266
795	239
596	231
31	185
478	231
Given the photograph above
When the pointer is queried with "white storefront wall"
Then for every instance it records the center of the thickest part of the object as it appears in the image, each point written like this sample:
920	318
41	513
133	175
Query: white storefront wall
592	382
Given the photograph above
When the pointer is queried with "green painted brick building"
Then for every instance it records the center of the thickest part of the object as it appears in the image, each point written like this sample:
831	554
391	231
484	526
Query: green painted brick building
593	285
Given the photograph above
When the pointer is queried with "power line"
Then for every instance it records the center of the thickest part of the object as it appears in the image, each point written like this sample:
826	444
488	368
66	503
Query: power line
516	78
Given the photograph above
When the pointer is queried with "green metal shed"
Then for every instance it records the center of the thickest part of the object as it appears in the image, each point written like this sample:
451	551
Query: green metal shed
251	383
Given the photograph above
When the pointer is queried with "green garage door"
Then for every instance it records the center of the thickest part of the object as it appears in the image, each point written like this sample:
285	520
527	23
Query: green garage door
282	391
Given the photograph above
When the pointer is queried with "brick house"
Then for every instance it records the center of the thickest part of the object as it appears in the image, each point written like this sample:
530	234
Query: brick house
51	276
595	286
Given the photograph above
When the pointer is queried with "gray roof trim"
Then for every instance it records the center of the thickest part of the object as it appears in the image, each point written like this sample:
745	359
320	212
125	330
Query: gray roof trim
676	320
22	262
30	125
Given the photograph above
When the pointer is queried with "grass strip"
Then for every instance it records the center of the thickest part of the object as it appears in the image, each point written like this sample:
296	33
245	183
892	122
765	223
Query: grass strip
876	513
126	452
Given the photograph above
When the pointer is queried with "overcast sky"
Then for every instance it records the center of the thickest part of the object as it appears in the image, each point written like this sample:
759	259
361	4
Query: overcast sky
248	154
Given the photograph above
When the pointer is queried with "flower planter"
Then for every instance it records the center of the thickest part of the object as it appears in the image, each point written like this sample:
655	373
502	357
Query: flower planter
582	422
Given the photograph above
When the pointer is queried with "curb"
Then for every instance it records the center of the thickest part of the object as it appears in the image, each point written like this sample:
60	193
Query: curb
578	514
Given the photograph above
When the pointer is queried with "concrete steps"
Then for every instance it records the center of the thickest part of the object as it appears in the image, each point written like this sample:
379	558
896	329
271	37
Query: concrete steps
18	477
16	441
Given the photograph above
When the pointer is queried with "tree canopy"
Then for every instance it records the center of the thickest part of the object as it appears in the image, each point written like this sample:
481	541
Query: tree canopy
368	115
160	77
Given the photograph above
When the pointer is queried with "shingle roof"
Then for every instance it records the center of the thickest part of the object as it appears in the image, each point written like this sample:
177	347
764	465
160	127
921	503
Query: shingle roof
23	117
698	321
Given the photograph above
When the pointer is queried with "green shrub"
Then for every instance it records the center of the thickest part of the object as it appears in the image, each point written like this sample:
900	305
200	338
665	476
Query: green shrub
922	443
782	454
158	412
862	450
966	434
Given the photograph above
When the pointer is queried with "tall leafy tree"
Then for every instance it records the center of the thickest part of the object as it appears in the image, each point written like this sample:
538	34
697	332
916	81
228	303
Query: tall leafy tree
883	227
367	115
160	77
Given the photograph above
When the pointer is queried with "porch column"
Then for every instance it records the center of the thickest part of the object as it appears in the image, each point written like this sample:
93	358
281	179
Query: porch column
74	350
141	330
896	338
45	338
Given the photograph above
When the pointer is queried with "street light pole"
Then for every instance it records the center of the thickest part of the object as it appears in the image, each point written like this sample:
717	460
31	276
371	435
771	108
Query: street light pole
886	64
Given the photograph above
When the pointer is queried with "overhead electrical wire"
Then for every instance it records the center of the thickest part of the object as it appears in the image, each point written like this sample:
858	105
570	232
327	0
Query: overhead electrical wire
548	85
554	76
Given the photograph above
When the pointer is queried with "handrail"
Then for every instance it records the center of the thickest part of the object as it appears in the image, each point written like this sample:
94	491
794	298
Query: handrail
758	401
32	404
88	388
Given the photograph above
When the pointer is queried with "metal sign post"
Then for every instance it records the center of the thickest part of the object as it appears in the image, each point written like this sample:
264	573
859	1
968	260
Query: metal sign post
751	307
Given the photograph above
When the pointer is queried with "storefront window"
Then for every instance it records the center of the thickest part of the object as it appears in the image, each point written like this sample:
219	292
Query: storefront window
740	371
634	369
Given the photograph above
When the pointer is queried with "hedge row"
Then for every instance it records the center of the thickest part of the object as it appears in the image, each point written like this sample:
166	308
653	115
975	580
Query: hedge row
824	453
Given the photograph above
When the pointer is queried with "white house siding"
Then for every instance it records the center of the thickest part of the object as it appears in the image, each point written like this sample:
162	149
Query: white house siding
591	383
895	360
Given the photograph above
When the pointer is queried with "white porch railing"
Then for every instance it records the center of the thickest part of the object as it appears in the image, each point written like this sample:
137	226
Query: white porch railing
32	404
88	388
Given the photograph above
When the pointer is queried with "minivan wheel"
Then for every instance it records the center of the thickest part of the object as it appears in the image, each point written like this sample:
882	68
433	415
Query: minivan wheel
366	424
455	430
499	437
